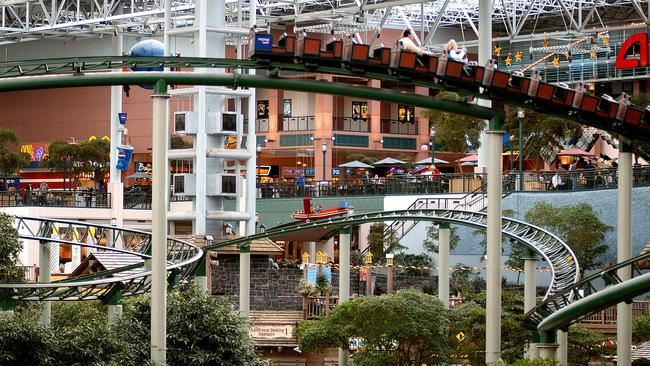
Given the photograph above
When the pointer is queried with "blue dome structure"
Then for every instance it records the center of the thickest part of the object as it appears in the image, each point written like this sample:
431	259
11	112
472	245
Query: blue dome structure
148	48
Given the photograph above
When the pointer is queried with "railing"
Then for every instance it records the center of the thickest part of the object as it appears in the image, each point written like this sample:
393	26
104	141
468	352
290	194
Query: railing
298	123
52	198
607	317
351	124
396	127
533	181
315	306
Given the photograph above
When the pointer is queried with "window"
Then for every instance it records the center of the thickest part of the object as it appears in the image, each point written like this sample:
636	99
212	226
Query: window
229	184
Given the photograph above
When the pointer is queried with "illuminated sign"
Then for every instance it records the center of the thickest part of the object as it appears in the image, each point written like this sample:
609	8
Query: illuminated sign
264	170
293	172
405	113
37	151
360	110
633	52
143	167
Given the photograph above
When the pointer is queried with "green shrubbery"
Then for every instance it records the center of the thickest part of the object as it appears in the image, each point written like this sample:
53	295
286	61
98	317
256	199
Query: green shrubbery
201	330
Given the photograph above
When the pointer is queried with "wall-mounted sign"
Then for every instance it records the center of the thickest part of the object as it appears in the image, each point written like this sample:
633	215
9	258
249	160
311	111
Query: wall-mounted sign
143	167
405	113
264	170
360	110
636	48
37	151
272	331
262	109
294	172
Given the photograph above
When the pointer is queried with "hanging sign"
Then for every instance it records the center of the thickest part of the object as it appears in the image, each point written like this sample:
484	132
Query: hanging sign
636	43
122	118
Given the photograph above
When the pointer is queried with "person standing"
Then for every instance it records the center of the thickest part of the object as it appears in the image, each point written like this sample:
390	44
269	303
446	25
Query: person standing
300	184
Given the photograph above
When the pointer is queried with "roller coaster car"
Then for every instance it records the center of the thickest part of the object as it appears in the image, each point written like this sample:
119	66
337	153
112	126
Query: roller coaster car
357	57
311	214
406	63
454	71
605	107
503	83
308	50
261	47
555	96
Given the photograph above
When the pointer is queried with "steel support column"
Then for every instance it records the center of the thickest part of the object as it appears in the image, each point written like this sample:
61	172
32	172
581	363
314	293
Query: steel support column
115	182
159	198
624	250
484	55
530	289
344	277
444	238
493	262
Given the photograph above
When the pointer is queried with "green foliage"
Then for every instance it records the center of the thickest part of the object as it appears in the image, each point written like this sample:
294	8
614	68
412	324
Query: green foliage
403	328
578	225
586	344
78	158
417	260
23	341
178	142
464	282
540	131
10	248
380	244
538	362
430	243
201	330
641	329
469	318
356	258
11	161
453	130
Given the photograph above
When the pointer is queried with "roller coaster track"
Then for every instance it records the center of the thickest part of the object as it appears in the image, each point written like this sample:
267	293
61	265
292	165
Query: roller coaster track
130	279
80	66
560	257
592	294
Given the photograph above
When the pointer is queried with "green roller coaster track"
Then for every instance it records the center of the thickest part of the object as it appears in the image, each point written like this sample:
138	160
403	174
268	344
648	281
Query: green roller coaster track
87	71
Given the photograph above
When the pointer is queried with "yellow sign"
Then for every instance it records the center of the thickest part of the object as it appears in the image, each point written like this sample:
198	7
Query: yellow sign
460	336
509	60
518	56
321	257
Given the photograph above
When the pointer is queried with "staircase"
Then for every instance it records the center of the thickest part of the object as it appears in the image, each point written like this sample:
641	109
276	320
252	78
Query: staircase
475	201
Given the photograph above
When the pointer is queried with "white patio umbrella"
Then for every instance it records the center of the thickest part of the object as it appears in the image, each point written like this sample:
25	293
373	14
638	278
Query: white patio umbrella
355	164
388	162
426	161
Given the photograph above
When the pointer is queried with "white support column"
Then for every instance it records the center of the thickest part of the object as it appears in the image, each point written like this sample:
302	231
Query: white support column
484	55
115	186
344	278
45	276
251	164
159	199
530	289
624	250
493	262
311	247
444	237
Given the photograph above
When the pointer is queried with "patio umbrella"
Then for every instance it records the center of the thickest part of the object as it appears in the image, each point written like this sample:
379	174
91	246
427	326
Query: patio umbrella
468	159
140	175
428	161
576	152
355	164
388	162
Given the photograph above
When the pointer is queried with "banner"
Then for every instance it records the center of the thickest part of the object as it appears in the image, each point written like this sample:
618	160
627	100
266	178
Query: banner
124	153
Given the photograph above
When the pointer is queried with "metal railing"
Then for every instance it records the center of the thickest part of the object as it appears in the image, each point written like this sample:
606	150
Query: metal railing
54	198
351	124
401	128
533	181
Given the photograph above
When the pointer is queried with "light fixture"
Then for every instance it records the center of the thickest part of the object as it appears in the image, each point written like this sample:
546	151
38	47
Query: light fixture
367	258
520	113
259	148
324	147
389	259
432	130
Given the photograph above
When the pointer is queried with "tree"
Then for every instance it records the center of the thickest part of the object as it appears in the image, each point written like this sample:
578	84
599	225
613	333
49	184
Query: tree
430	243
579	226
201	330
586	344
10	248
78	158
95	156
10	160
455	132
404	328
641	329
465	281
59	156
380	243
541	132
416	260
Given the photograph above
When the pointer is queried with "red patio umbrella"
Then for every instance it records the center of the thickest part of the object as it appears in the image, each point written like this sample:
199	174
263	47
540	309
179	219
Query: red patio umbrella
468	159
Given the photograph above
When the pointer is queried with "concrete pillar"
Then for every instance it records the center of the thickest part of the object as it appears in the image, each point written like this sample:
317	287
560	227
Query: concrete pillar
563	347
547	350
624	250
45	276
311	250
344	278
444	237
115	186
494	243
244	281
530	288
159	199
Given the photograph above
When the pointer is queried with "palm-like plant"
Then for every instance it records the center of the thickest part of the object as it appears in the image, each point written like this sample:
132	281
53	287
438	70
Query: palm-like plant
10	160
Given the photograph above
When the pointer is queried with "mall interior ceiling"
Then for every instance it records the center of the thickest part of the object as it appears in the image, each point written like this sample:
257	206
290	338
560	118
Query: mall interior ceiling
513	20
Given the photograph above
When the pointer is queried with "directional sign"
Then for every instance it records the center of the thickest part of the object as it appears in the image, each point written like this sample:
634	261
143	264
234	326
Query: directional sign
460	336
